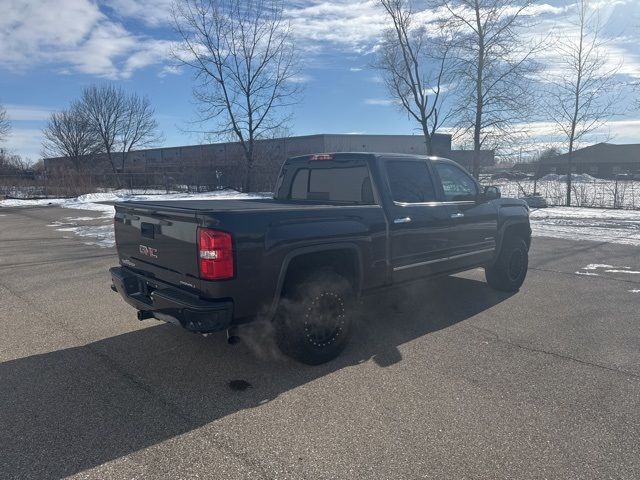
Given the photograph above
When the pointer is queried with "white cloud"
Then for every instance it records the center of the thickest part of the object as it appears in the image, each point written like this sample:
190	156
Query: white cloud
19	113
150	53
152	12
358	24
302	78
74	34
25	141
622	131
347	23
543	134
381	102
613	17
28	28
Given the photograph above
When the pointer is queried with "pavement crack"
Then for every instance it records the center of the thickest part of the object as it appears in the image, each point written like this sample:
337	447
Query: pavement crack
554	354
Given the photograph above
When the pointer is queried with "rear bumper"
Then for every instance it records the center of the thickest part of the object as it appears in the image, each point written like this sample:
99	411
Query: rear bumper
168	303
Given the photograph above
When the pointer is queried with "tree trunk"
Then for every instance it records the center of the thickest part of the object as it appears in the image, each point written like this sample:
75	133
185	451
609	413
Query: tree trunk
477	128
248	178
428	140
569	169
118	180
113	165
247	184
476	163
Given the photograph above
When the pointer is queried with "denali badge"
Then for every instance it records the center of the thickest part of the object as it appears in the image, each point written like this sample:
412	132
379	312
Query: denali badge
148	251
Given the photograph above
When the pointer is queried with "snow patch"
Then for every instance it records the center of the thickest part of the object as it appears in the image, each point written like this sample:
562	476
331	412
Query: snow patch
592	267
634	291
80	219
595	266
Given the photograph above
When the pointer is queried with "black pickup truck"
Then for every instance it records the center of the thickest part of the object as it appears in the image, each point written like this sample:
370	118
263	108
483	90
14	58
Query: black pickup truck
339	226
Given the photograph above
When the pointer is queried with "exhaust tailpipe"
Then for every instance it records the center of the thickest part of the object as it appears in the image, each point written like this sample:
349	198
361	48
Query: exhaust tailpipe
232	336
144	315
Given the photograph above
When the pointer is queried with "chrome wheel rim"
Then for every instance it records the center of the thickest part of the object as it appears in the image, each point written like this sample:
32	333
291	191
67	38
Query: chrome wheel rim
324	319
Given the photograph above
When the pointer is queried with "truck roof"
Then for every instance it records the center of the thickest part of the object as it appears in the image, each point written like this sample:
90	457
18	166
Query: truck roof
351	155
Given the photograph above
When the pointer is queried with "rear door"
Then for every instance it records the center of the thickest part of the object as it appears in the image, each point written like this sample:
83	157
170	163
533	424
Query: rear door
474	222
418	223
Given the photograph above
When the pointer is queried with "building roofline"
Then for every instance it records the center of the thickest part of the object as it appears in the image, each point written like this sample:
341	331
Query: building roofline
319	136
611	147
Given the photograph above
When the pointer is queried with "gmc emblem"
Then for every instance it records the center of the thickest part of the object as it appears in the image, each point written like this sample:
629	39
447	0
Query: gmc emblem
148	251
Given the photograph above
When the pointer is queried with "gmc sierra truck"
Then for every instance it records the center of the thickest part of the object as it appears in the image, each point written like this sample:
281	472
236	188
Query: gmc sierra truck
339	226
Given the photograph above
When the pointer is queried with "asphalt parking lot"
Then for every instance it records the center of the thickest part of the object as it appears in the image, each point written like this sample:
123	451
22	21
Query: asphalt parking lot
448	380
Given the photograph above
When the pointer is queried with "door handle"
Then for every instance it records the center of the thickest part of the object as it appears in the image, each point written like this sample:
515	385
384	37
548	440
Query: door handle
402	220
457	215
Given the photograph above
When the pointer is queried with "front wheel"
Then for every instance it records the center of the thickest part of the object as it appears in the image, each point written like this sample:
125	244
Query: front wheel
314	320
510	269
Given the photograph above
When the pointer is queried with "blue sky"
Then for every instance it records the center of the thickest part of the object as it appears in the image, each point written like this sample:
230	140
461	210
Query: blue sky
51	49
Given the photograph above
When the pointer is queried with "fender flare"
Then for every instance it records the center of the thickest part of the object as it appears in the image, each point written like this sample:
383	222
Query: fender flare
289	257
509	222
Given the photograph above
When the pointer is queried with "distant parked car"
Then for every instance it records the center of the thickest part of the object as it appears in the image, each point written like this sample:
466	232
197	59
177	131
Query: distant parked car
535	201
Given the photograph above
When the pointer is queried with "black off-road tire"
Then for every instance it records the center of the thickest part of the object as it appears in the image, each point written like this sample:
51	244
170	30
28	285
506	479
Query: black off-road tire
315	317
507	274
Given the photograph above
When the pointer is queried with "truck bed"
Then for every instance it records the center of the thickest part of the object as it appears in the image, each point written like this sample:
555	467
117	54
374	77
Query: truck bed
224	205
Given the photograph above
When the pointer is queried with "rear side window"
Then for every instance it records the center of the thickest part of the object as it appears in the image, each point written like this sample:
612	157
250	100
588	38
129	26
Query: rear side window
410	181
340	184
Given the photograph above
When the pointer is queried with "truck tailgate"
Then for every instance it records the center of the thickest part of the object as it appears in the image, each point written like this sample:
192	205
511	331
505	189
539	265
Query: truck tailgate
160	241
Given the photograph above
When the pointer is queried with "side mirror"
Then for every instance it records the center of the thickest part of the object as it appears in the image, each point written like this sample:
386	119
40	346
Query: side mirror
491	193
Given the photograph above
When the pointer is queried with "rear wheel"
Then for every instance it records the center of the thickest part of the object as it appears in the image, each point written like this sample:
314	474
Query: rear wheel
510	269
314	319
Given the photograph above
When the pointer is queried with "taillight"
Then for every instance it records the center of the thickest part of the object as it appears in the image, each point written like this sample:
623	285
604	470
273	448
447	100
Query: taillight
322	156
215	254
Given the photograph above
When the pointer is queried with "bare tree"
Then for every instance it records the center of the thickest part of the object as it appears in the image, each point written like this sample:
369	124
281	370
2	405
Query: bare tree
494	67
69	134
11	163
414	67
583	86
139	127
5	125
105	106
244	61
122	121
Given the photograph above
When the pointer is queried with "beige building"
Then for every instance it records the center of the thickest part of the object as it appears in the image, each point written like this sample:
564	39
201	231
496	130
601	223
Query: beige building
219	164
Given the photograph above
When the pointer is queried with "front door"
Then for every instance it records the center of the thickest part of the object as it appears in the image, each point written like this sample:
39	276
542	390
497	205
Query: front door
419	224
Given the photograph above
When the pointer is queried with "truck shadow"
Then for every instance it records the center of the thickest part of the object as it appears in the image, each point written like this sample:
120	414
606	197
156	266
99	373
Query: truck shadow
70	410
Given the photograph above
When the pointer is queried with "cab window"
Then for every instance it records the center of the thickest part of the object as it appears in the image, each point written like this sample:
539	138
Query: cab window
335	184
457	185
410	181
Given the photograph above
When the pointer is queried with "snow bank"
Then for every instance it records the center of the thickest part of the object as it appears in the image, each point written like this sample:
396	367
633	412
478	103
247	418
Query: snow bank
95	201
99	230
575	177
574	223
